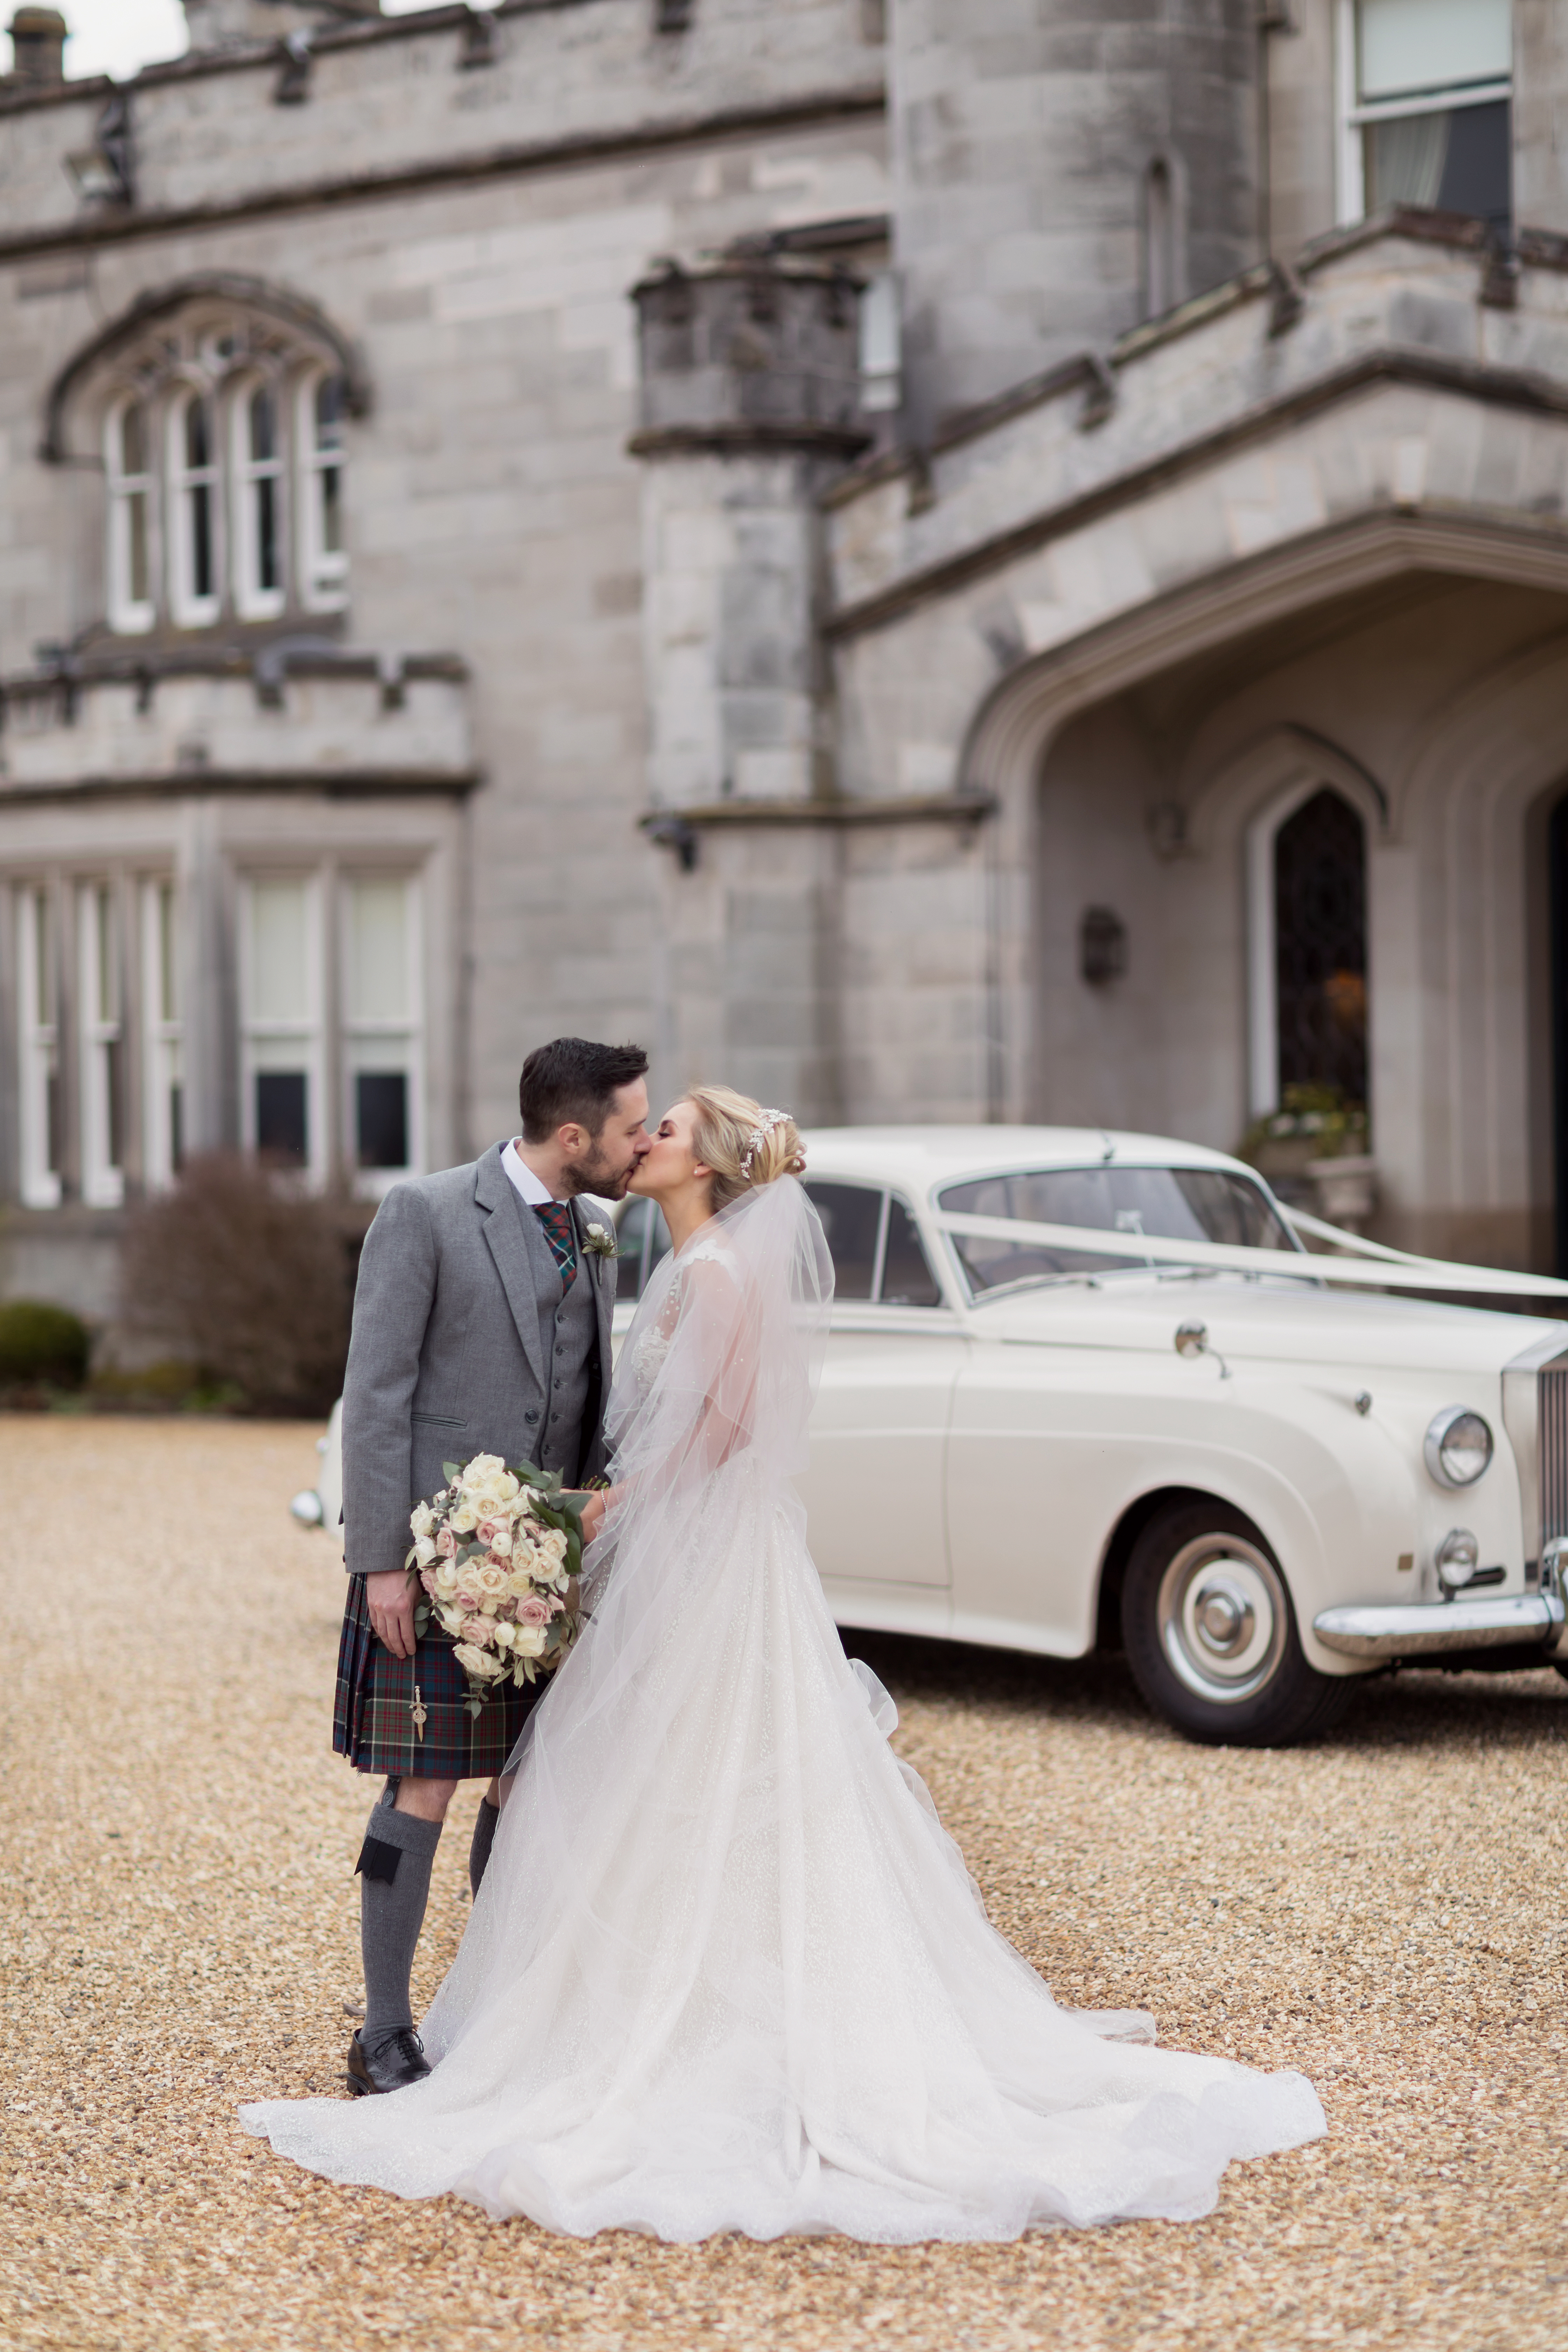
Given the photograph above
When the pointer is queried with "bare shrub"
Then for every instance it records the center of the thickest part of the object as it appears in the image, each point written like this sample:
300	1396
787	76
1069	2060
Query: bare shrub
250	1277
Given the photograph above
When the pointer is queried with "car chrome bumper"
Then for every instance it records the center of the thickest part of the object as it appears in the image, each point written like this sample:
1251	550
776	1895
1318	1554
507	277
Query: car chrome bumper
1425	1629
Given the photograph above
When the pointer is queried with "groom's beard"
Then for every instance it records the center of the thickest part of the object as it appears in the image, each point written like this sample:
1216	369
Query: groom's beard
594	1175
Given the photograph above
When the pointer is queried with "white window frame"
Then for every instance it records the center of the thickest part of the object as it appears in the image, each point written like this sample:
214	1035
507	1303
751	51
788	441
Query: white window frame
407	1032
261	1037
37	1042
130	615
163	1033
880	342
323	574
252	601
188	608
101	1029
1353	117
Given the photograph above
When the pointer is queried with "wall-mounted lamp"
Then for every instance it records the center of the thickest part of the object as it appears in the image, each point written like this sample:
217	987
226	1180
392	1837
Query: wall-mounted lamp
1102	946
674	833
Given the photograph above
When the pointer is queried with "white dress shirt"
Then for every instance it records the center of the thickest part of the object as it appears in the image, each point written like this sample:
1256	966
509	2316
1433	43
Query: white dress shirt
536	1194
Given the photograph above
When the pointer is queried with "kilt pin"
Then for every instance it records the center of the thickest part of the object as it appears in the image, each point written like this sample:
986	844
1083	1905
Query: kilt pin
404	1717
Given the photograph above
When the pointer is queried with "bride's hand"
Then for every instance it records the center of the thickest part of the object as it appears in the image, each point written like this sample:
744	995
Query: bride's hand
593	1516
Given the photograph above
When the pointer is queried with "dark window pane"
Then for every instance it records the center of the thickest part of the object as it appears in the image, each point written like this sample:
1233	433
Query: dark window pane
136	551
266	532
631	1238
201	539
263	427
1319	900
52	1122
1477	171
113	1054
329	412
280	1113
380	1118
907	1278
176	1128
134	439
851	1217
332	512
1209	1204
197	441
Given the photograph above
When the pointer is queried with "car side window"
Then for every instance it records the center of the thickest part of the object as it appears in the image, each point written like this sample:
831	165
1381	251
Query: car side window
642	1238
852	1220
907	1278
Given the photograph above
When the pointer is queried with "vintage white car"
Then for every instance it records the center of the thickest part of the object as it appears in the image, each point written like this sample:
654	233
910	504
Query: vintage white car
1089	1390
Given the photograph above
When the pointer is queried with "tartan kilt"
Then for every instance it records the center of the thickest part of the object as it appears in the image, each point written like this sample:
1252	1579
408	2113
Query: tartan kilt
372	1718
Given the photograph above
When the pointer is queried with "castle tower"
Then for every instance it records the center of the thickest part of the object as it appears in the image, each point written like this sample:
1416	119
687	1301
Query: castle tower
1062	169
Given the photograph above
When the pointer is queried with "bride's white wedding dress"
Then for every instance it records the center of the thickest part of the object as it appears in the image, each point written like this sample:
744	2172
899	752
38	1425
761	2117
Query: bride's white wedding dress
726	1971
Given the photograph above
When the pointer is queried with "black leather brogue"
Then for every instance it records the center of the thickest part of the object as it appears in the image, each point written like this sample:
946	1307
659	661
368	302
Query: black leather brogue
394	2062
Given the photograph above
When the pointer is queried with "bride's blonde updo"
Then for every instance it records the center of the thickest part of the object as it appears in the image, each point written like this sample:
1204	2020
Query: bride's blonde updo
745	1145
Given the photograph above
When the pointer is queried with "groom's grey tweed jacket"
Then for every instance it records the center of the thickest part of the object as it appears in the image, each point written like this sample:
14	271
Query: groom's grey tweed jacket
452	1352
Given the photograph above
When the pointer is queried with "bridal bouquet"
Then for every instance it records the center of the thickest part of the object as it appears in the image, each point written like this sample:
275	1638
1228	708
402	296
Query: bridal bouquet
496	1551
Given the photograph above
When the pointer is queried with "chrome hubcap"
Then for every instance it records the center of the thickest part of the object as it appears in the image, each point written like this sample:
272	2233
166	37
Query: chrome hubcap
1223	1616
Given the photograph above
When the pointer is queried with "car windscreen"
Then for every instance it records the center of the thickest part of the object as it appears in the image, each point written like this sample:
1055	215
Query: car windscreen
1178	1204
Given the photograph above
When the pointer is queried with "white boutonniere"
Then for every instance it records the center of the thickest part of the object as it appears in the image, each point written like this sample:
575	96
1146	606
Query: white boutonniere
599	1241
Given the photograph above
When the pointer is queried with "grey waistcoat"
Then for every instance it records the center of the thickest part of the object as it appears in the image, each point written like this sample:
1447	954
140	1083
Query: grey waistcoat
569	1337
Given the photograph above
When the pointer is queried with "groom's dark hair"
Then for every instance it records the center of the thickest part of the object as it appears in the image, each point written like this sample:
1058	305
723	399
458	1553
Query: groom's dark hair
573	1079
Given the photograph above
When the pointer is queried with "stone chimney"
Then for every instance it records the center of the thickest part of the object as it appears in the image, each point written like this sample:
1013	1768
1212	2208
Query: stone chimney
37	48
240	24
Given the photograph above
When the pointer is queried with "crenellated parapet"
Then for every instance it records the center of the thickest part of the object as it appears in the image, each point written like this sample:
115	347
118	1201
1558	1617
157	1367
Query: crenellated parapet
748	352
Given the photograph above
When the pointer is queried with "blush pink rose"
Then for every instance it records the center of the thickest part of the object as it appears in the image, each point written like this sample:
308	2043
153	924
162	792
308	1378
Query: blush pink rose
467	1601
488	1529
534	1613
427	1578
446	1543
477	1630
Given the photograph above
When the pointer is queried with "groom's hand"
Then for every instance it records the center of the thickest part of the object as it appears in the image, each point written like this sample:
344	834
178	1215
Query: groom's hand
389	1597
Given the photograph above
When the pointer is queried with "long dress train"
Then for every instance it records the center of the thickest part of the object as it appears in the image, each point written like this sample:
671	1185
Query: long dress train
727	1971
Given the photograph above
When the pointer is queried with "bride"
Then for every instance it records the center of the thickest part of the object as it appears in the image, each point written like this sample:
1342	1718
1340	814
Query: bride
726	1971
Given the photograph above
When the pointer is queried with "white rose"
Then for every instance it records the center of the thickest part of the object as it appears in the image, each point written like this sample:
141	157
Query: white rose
553	1543
452	1620
490	1582
477	1662
518	1584
465	1519
447	1578
528	1640
504	1632
423	1551
421	1520
500	1543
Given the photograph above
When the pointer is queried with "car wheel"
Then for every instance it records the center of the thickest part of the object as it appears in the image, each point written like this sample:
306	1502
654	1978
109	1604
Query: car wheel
1211	1637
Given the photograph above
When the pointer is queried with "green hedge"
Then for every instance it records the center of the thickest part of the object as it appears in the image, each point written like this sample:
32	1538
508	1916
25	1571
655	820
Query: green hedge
42	1345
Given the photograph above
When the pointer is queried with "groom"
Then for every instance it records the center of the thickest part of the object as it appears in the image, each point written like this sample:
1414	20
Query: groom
482	1325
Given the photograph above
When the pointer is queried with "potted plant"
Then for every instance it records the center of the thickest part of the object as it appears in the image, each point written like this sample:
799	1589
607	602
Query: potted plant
1315	1151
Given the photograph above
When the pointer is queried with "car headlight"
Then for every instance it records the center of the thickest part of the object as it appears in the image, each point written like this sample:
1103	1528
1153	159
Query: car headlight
1458	1446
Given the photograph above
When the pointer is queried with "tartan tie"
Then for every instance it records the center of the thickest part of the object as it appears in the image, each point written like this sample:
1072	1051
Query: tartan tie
556	1219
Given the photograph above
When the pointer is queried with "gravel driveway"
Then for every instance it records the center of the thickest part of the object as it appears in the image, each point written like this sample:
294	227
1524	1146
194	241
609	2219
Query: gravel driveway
178	1933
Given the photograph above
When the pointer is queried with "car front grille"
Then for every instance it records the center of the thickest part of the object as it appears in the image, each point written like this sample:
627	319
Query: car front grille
1553	1424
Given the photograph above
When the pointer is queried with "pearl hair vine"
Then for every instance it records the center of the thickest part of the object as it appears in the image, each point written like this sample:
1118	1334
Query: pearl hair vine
759	1134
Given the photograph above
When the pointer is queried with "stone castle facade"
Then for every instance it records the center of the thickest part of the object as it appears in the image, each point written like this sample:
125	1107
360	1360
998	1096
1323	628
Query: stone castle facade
940	559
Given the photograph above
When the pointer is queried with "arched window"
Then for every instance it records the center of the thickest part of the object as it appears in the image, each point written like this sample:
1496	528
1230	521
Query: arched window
221	421
1162	251
258	592
1308	923
324	548
128	460
1320	947
193	512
